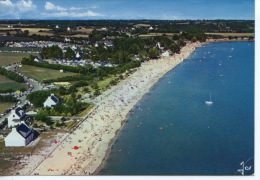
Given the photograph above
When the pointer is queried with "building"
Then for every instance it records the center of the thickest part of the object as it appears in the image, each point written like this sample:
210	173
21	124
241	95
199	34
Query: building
51	101
16	116
150	28
166	53
19	136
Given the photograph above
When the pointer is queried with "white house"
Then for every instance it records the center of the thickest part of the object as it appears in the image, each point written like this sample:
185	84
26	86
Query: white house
67	39
51	101
19	136
166	53
16	116
78	55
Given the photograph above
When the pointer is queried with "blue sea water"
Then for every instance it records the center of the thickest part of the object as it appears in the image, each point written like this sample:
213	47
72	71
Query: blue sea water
173	132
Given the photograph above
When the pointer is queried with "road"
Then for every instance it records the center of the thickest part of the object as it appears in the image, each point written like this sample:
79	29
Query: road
31	83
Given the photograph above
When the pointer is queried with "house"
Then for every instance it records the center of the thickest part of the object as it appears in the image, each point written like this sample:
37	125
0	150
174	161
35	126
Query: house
16	116
150	28
38	59
158	45
51	101
67	39
19	136
166	53
78	55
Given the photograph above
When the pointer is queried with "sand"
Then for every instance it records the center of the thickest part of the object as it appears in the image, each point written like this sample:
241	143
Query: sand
83	151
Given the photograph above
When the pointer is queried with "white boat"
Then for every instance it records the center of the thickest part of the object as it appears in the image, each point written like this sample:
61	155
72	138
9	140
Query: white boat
209	102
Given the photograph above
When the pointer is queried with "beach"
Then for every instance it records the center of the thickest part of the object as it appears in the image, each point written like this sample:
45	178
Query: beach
84	151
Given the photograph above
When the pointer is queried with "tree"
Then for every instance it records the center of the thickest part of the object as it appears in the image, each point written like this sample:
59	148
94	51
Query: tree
37	98
86	90
194	39
88	69
175	37
97	92
153	53
175	48
70	54
95	86
26	32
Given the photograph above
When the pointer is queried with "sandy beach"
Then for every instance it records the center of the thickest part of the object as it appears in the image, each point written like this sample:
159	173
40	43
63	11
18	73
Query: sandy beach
83	151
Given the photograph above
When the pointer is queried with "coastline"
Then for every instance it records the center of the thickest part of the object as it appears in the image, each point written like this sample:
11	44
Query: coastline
96	135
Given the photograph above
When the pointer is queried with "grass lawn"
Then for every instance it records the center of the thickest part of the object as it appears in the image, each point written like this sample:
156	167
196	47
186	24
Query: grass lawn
102	84
34	31
5	106
41	74
85	30
83	113
6	83
10	57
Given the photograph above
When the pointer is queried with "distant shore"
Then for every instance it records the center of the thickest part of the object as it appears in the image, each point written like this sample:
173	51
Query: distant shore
94	137
227	39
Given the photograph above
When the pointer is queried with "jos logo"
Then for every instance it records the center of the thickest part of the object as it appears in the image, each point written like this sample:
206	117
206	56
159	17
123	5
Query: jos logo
244	168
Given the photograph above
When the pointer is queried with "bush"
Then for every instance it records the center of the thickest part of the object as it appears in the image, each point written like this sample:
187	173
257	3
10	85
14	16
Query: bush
60	124
11	75
86	90
81	84
63	119
35	125
97	92
49	122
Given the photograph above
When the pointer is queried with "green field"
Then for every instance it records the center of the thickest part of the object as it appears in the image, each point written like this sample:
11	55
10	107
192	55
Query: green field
5	106
10	57
41	74
10	49
6	83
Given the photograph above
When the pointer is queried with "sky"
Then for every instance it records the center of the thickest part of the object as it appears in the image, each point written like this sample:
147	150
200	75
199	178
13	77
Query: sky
127	9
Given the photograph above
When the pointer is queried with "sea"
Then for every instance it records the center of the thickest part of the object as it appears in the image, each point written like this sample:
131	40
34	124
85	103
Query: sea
172	131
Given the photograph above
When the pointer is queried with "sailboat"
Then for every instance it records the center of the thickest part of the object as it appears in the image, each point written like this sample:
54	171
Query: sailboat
209	102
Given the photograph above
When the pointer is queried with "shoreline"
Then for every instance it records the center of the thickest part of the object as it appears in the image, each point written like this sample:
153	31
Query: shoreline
102	165
96	135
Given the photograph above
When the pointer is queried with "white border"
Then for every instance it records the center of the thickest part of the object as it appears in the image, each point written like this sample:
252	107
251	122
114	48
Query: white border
257	135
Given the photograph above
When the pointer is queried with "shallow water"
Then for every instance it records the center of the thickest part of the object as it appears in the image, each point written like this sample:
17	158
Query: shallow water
173	132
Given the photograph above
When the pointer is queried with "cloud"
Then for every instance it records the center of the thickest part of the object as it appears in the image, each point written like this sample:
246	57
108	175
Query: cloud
67	14
51	6
75	9
6	3
55	11
25	6
91	13
16	10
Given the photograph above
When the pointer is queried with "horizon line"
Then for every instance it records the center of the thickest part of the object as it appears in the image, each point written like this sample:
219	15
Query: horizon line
127	19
